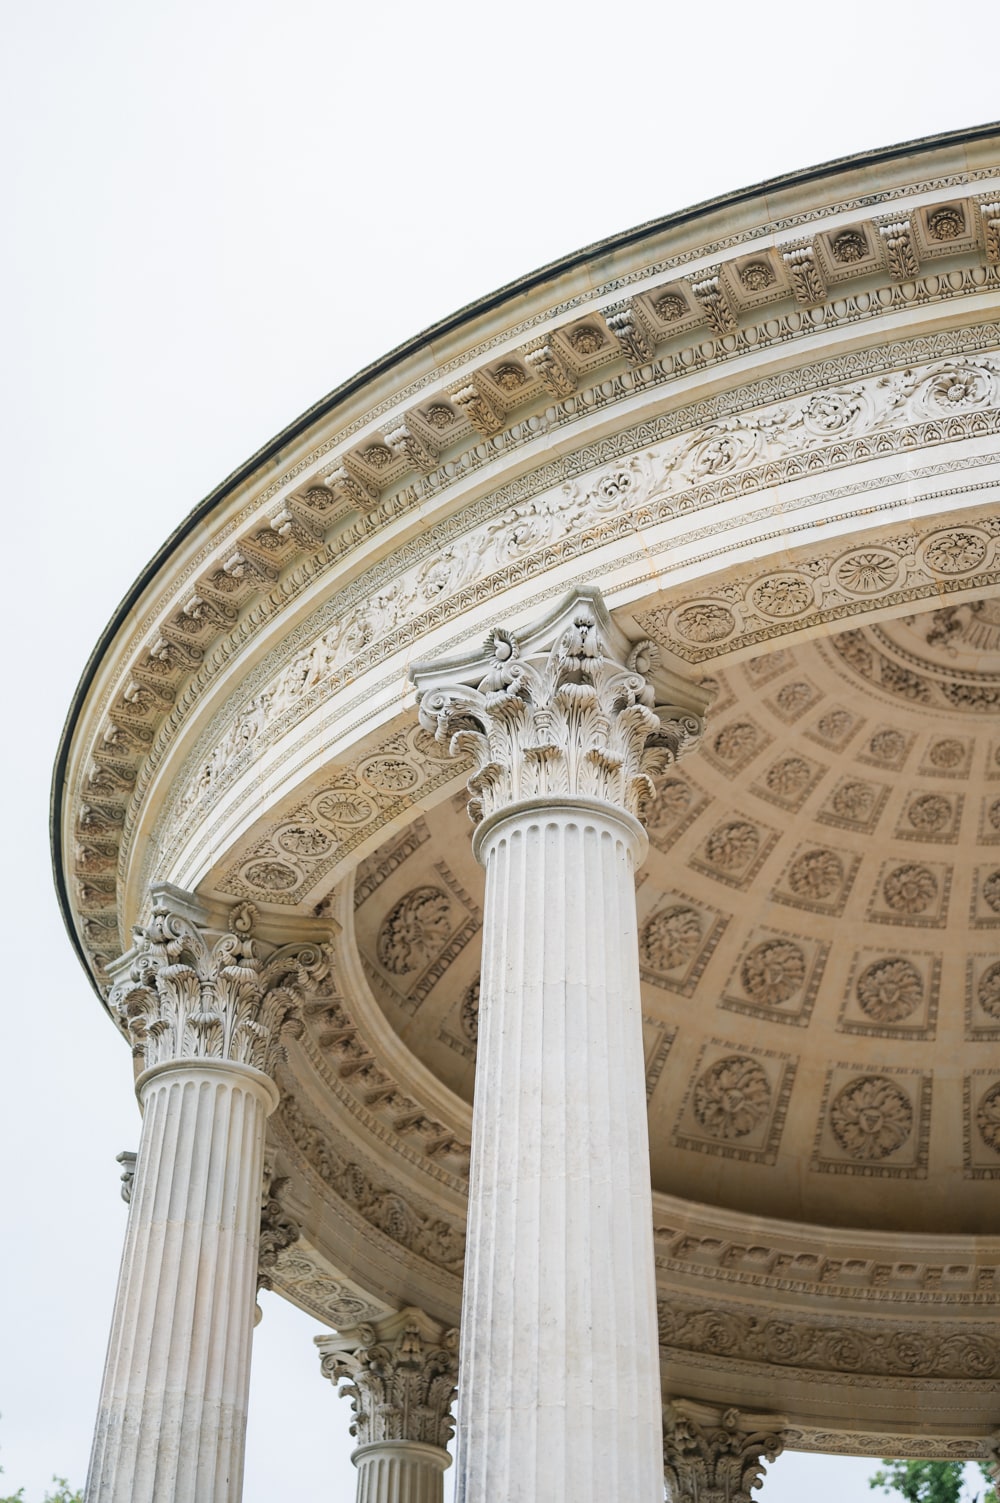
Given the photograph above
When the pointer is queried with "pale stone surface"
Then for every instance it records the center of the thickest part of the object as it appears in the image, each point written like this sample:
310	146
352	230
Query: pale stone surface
560	1371
400	1472
560	1368
206	1013
717	1455
399	1373
768	431
173	1407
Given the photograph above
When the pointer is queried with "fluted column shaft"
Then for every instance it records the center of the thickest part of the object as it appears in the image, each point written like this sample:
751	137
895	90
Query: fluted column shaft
566	724
172	1417
399	1374
206	1010
400	1471
560	1384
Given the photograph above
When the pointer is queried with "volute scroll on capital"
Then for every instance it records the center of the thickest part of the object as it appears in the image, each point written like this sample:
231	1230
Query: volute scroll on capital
400	1374
717	1455
568	709
182	994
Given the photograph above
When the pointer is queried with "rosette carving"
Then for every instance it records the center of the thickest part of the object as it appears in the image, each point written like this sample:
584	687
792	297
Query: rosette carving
571	709
717	1455
400	1375
178	995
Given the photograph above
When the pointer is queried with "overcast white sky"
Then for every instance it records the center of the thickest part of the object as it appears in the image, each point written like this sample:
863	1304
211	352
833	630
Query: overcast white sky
214	213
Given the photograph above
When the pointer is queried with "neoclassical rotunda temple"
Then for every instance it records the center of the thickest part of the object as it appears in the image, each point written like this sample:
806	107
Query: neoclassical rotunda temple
648	1121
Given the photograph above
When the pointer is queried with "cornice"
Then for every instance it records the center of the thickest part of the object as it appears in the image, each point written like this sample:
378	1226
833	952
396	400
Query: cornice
235	587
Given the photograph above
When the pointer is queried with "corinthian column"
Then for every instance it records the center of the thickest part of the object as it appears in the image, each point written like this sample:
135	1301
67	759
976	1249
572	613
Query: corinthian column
560	1379
206	1015
399	1374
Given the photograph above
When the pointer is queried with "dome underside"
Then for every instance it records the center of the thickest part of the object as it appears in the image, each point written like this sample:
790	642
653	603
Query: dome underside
818	934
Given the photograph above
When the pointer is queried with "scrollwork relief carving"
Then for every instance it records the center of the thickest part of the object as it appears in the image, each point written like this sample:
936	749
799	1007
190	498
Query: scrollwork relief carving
423	1233
201	615
878	1350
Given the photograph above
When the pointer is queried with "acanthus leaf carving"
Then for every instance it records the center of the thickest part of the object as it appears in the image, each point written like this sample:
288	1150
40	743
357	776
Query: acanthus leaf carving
178	996
553	372
570	710
277	1230
400	1374
717	1455
716	304
956	1351
900	250
808	282
481	410
417	450
626	324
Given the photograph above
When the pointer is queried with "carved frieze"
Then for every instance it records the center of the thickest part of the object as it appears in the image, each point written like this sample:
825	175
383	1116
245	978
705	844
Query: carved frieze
357	801
879	1349
423	1233
256	570
299	1274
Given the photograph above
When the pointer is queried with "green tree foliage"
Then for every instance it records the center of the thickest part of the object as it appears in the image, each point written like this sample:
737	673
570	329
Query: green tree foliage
926	1481
63	1494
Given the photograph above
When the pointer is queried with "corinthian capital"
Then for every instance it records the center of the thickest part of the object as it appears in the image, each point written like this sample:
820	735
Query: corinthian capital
182	996
569	708
400	1375
717	1455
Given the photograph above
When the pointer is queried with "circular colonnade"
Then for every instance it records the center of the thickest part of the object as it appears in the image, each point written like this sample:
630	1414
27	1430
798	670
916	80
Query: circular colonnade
721	497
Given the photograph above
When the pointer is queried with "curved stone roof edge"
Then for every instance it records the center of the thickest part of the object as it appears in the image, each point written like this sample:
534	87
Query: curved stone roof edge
385	363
